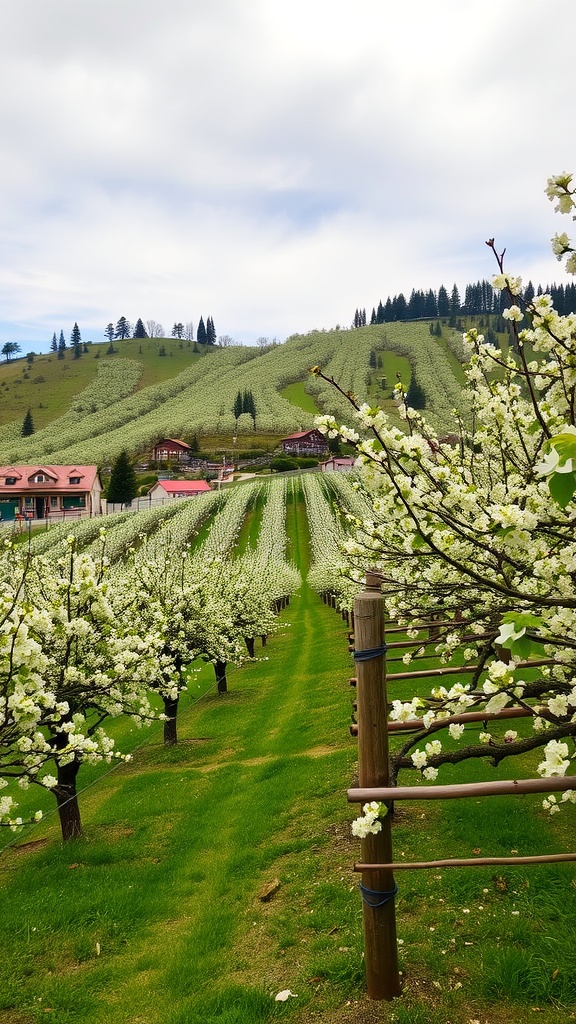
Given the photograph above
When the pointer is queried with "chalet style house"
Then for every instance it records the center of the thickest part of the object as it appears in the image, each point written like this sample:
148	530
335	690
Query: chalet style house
305	442
38	492
169	450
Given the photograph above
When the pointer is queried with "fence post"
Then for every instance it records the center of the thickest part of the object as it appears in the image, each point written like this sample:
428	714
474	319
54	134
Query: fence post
378	887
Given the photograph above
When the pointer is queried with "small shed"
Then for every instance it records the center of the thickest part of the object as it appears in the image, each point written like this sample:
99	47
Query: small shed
164	489
338	464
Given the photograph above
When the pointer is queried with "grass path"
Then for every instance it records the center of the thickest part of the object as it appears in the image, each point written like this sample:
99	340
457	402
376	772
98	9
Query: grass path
178	844
155	918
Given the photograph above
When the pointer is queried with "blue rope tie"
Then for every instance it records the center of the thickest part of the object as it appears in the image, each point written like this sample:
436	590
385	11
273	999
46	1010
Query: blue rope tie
369	895
373	652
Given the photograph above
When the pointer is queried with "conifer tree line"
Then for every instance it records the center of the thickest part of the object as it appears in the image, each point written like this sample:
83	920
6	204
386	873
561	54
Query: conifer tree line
206	332
479	299
244	402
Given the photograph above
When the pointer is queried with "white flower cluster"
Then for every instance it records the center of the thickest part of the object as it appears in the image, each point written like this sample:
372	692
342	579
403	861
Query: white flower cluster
370	822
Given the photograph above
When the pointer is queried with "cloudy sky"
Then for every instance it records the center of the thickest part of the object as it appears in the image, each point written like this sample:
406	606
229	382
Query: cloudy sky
272	163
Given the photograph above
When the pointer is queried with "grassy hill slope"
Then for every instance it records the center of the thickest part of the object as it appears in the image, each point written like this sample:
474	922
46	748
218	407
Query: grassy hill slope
89	409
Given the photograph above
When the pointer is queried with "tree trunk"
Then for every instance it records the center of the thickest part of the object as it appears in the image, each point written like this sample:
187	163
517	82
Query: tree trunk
67	800
220	670
264	639
171	711
249	641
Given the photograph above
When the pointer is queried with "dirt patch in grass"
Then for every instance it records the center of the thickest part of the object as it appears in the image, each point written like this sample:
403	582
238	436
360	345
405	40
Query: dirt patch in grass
14	1017
322	751
30	847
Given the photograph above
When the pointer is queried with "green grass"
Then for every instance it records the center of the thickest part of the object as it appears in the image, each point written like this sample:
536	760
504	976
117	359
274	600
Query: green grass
154	917
297	395
63	379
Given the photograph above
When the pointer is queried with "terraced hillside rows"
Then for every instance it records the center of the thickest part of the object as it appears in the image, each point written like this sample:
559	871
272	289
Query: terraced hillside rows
111	414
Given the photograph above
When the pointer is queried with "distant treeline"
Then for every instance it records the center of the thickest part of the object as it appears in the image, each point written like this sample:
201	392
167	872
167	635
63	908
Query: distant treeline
479	299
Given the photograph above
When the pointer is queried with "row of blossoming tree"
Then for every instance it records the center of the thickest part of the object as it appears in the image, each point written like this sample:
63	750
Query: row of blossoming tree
83	640
478	531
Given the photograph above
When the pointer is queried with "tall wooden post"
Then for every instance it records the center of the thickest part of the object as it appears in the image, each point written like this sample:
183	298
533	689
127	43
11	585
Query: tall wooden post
378	887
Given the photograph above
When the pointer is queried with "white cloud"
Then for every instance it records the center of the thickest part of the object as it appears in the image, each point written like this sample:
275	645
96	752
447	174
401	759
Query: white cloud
275	163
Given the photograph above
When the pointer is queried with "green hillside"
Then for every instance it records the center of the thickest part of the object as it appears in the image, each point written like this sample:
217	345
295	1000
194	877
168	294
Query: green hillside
89	409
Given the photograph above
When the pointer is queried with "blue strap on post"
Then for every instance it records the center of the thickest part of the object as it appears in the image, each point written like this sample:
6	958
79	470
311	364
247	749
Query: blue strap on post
369	895
372	652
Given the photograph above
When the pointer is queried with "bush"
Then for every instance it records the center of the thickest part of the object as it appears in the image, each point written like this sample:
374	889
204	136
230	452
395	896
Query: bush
281	465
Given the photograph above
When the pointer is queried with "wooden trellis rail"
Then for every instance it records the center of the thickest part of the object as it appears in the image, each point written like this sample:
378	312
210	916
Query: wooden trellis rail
377	864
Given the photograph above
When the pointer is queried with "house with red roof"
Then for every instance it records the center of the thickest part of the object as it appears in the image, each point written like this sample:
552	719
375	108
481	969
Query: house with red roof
305	442
170	450
41	492
163	489
338	464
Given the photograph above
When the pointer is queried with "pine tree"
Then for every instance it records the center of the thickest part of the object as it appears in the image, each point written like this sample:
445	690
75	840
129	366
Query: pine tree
210	332
454	306
194	445
249	406
75	339
109	332
122	487
238	408
28	425
415	396
140	330
61	345
443	302
54	343
201	332
122	329
178	330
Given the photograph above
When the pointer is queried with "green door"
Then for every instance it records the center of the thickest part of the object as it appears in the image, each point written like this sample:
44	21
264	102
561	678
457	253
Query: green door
8	508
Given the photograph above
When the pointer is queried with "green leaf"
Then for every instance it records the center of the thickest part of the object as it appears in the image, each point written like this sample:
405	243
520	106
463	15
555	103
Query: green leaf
522	620
562	487
565	445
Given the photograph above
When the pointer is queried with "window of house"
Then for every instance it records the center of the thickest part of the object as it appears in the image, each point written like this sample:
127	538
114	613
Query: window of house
10	479
39	478
53	502
74	479
29	502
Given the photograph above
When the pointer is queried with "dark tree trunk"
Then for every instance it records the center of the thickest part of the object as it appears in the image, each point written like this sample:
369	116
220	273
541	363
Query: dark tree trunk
220	670
170	727
249	641
264	639
67	800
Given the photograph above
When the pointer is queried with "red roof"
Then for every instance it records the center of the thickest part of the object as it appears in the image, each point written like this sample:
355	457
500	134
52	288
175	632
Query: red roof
302	433
175	487
172	440
57	478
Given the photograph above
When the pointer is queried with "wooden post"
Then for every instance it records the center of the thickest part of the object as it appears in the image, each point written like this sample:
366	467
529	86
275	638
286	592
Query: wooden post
378	887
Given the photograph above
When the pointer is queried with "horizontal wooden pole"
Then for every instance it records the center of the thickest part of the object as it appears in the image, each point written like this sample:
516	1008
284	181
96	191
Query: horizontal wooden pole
425	625
473	638
468	862
433	672
467	716
463	789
